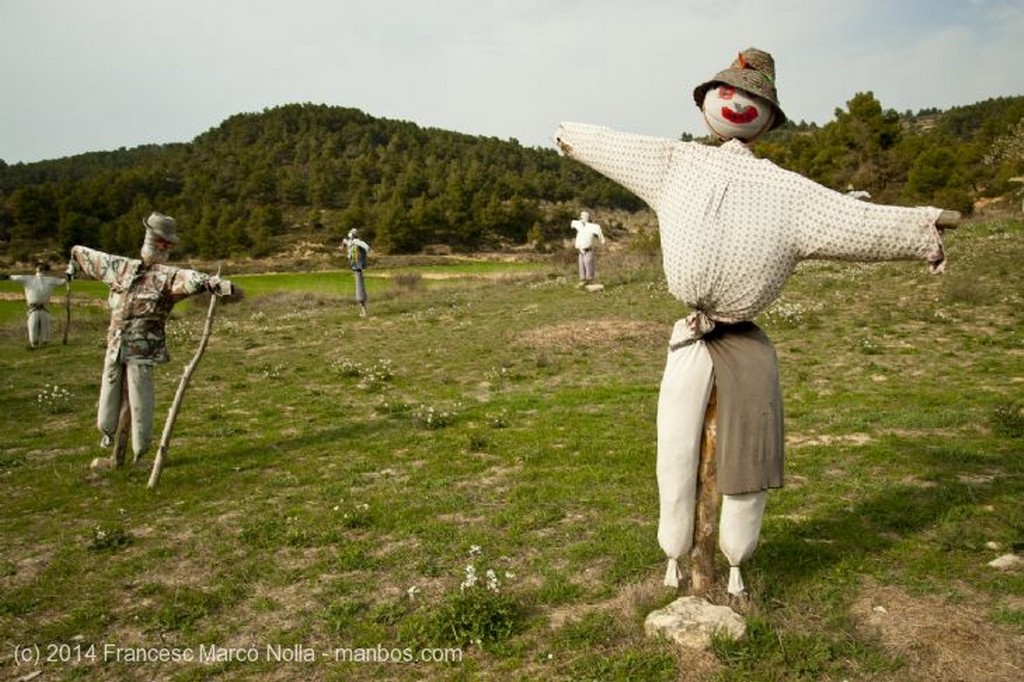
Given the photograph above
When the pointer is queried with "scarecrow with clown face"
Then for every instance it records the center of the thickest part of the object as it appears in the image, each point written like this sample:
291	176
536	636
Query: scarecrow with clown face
733	228
142	294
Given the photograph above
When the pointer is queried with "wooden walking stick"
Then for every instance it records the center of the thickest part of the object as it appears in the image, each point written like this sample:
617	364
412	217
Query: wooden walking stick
179	396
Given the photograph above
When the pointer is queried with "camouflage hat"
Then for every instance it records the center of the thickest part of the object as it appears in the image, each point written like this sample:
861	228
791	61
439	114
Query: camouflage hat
753	71
164	226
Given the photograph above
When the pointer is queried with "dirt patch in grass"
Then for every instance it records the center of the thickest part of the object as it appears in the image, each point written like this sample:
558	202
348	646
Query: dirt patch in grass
23	565
593	333
797	440
630	600
938	640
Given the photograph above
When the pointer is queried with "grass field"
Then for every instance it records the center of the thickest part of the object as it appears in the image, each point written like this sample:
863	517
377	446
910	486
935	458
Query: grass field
468	472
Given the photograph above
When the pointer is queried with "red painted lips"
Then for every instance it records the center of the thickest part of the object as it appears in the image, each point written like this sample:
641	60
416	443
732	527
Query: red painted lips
743	116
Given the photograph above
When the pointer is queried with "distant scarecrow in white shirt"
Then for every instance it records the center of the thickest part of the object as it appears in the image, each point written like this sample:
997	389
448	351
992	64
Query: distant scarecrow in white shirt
142	294
38	288
587	233
733	228
357	250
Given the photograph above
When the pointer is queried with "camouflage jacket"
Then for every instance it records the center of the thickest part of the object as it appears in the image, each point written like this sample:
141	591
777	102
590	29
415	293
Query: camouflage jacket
141	297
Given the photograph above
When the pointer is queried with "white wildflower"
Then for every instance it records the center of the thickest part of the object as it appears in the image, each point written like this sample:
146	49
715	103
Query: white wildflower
470	579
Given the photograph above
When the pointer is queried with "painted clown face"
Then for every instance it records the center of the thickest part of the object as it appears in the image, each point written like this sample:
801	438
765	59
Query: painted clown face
730	113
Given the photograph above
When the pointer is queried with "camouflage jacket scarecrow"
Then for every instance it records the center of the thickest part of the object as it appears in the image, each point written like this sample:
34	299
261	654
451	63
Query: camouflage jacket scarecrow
141	297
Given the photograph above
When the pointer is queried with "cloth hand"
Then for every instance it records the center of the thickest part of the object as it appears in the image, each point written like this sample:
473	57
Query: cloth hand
948	220
220	287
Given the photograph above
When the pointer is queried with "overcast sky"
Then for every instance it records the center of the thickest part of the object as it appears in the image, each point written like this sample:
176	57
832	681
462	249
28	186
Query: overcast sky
90	75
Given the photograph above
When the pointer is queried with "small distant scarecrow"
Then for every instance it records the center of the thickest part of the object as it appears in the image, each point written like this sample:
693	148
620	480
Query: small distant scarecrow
586	234
733	228
357	250
857	193
142	294
38	288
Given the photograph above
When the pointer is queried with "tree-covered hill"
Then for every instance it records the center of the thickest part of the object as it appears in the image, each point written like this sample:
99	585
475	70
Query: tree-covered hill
247	185
950	159
260	181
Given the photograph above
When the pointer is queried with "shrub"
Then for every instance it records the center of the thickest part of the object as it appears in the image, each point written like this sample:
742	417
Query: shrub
479	613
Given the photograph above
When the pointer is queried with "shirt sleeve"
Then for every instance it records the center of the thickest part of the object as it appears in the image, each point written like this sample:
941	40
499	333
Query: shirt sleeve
832	225
52	283
184	283
637	162
93	264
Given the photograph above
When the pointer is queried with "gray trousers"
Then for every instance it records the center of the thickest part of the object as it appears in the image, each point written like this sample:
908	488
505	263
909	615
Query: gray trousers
139	379
39	326
360	288
588	265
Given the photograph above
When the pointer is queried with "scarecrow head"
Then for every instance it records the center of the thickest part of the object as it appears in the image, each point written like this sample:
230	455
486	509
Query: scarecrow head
741	102
161	235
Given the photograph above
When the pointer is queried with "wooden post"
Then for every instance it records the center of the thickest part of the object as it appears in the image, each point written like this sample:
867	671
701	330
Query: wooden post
67	311
702	556
124	422
179	396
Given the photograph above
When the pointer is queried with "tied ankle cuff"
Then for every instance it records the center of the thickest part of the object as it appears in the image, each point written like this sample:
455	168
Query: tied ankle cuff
672	573
736	586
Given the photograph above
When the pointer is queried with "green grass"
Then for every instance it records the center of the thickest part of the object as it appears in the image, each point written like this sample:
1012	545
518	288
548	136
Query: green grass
331	477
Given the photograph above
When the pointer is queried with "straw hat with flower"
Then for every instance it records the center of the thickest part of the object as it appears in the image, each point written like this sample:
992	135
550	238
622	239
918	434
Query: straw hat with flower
753	71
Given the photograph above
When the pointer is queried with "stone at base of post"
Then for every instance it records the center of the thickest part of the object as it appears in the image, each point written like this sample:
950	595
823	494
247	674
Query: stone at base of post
693	621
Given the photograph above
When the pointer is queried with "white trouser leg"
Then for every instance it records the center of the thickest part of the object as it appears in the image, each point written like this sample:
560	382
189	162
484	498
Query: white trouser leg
45	325
685	388
110	397
739	528
141	399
